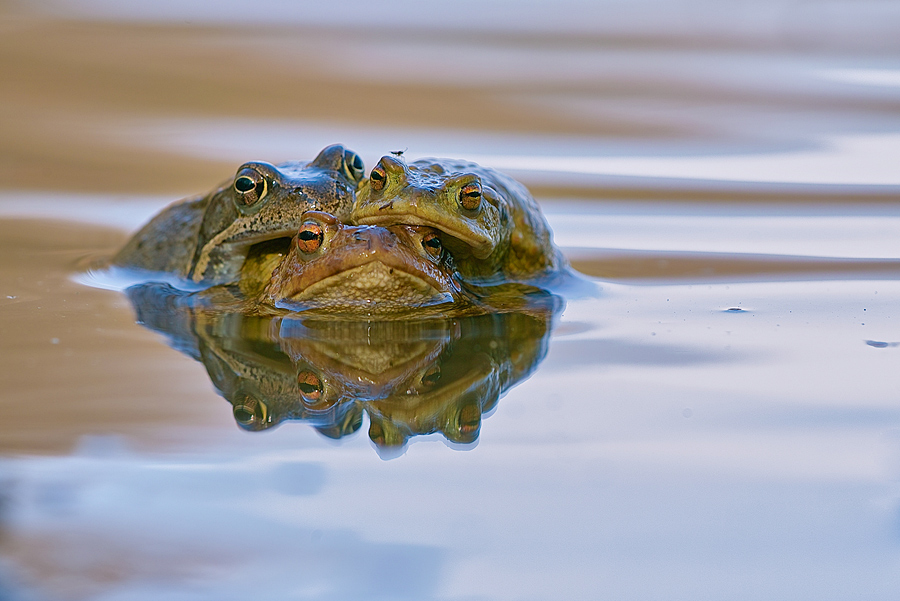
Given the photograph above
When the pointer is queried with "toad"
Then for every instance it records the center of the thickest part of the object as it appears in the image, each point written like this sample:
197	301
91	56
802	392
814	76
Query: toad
205	239
364	269
489	222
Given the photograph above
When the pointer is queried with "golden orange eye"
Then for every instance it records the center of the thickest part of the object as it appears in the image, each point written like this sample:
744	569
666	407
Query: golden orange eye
310	386
250	186
432	244
378	177
470	196
310	237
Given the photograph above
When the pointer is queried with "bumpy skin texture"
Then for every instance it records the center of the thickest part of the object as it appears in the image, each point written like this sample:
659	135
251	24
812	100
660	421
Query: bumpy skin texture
493	227
362	269
206	239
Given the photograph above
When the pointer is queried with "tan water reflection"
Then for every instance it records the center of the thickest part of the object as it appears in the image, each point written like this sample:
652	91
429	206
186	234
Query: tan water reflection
71	353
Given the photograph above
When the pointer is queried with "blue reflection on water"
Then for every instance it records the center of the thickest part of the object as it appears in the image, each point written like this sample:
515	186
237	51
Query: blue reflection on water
195	528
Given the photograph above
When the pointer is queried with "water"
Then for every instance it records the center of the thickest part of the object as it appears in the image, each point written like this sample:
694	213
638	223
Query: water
717	417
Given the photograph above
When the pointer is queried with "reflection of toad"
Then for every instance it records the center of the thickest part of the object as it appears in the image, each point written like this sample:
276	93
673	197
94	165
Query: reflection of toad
418	377
206	239
411	377
489	222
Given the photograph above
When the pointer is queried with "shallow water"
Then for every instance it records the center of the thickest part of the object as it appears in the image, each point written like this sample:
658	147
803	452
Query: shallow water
715	414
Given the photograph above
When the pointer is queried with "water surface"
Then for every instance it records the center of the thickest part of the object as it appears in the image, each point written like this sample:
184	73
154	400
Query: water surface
718	418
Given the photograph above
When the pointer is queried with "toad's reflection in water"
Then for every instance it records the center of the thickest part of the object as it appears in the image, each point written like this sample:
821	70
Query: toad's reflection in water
410	376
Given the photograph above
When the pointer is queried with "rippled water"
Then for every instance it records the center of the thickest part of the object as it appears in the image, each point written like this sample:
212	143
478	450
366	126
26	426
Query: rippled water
714	414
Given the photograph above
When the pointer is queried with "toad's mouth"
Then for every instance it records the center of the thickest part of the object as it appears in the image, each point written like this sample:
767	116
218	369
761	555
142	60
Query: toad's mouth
373	287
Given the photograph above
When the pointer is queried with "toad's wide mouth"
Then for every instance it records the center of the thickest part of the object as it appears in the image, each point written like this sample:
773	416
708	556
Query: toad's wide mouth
373	287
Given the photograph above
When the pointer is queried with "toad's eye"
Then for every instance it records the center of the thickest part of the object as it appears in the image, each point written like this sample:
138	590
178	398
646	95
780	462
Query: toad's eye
250	413
432	244
250	186
431	377
470	196
353	166
469	419
378	177
310	237
310	386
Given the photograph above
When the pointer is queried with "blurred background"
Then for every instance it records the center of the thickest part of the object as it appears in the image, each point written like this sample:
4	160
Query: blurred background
582	99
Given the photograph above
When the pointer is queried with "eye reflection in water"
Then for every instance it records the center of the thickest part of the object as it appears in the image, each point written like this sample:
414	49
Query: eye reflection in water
409	376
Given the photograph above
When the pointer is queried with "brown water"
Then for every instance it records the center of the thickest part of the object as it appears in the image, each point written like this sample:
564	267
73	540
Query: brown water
716	415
